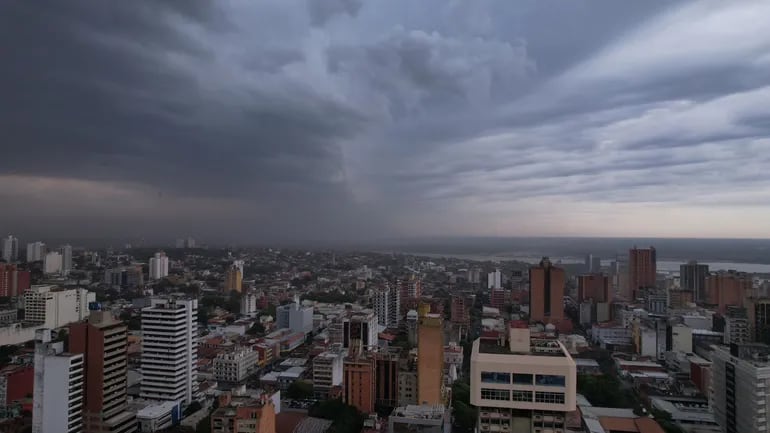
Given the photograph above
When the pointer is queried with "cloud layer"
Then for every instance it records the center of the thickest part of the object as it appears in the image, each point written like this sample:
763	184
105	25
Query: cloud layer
284	120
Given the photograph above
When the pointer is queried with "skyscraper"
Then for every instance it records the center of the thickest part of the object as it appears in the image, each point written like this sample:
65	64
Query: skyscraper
158	266
52	263
642	270
430	360
728	288
35	251
692	277
233	279
594	286
10	249
103	341
170	350
387	305
58	388
359	383
546	287
66	259
494	279
13	282
740	377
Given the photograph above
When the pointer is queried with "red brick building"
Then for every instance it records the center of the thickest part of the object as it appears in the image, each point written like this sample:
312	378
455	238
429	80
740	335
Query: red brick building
642	270
546	287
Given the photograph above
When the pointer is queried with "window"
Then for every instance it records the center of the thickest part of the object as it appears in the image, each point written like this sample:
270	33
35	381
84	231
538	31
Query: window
549	380
495	394
549	397
522	379
522	396
492	377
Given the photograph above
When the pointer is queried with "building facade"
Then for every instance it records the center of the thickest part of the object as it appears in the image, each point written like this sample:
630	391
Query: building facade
387	306
430	360
642	270
740	379
594	286
726	288
13	281
236	365
158	266
54	307
692	278
11	249
359	383
546	286
58	387
328	370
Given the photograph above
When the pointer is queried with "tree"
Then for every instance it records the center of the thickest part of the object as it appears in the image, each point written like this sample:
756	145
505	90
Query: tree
345	418
300	390
256	329
604	390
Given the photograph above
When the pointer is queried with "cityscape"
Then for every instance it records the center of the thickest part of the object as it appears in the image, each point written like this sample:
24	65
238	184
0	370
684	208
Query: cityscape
393	216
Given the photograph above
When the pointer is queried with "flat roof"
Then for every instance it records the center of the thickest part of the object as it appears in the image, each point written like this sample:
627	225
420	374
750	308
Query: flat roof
496	349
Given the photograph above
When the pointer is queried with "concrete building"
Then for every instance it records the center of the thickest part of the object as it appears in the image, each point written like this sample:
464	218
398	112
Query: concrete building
526	385
737	329
249	304
170	350
158	266
35	251
595	287
386	367
495	279
412	320
497	298
460	310
359	383
758	311
58	387
387	306
158	416
728	288
420	419
52	263
16	383
53	307
236	365
328	371
11	249
295	317
410	289
124	277
359	331
66	258
233	279
256	416
13	281
407	388
642	271
546	286
692	278
430	360
739	381
103	342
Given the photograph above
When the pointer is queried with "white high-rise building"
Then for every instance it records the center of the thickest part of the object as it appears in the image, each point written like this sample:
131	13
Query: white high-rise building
740	379
58	388
52	263
53	307
495	280
170	350
66	259
295	317
10	249
158	266
387	305
249	304
35	251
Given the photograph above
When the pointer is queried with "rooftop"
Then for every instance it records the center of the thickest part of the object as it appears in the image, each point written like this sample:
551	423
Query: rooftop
537	348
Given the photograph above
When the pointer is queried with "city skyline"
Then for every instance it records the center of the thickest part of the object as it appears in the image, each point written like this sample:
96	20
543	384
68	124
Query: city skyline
351	120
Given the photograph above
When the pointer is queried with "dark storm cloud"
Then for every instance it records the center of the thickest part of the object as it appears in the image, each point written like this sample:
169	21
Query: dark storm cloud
322	11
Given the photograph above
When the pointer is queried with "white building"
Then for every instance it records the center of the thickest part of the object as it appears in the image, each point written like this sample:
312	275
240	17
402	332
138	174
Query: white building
158	416
170	350
66	258
35	251
740	379
295	317
54	307
387	305
235	366
58	387
249	304
360	331
52	263
10	249
158	266
495	280
327	372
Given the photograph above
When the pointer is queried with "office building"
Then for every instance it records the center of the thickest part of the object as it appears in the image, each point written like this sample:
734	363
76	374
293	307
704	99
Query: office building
13	282
546	297
103	342
10	249
386	376
52	263
497	298
740	379
410	290
460	310
692	277
170	350
642	271
236	365
525	385
595	287
328	371
66	258
593	264
387	305
124	277
233	279
359	331
494	279
758	311
430	360
158	266
737	329
295	317
249	304
359	383
58	388
54	307
35	252
728	288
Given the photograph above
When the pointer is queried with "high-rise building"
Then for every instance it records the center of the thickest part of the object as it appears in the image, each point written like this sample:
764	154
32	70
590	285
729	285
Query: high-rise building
52	263
295	317
410	290
594	286
170	350
13	282
728	288
737	329
460	310
430	360
387	305
233	279
359	331
497	298
642	270
692	277
190	242
35	251
10	249
546	292
328	370
740	378
759	319
249	304
54	307
126	277
57	397
359	383
526	385
474	275
103	342
386	380
494	279
66	258
158	266
593	264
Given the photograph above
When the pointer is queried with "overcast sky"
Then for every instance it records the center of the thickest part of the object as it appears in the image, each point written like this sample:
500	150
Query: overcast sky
249	120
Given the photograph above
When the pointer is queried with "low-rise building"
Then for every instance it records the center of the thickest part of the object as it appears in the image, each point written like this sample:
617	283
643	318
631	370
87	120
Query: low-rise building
420	419
236	365
256	416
